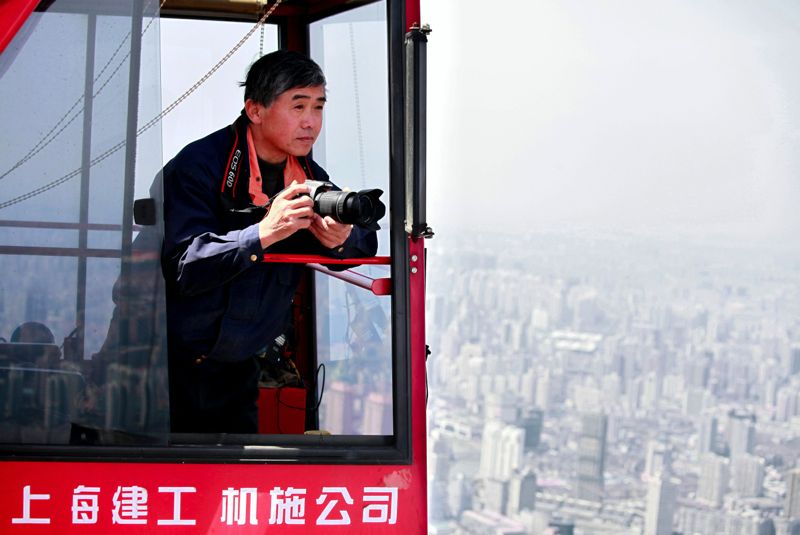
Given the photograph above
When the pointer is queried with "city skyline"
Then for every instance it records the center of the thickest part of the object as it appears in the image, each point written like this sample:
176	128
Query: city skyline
666	376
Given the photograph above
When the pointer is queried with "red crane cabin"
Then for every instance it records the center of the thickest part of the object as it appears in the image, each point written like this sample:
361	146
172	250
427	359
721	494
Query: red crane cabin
85	437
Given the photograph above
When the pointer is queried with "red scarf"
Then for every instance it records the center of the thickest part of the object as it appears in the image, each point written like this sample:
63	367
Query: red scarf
292	172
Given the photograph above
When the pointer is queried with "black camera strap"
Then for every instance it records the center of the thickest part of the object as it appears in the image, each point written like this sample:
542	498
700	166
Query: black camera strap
237	158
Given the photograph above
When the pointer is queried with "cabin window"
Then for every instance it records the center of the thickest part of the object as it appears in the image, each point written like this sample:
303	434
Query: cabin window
83	358
81	308
353	328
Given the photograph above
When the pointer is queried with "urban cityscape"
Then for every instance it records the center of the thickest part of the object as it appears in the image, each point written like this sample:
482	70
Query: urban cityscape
587	382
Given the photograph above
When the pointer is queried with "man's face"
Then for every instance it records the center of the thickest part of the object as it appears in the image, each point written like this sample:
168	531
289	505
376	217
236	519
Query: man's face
289	125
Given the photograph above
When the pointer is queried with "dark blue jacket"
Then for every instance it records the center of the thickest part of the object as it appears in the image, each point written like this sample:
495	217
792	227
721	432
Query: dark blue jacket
222	301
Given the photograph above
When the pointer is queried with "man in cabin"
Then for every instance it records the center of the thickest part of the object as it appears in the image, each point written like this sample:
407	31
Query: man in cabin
228	199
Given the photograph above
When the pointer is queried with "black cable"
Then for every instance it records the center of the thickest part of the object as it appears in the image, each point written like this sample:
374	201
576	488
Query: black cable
287	405
322	391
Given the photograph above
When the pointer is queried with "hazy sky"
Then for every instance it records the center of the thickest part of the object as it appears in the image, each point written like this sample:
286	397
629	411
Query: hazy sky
677	116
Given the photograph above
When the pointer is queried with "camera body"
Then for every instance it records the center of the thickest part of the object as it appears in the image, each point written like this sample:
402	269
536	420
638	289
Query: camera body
363	208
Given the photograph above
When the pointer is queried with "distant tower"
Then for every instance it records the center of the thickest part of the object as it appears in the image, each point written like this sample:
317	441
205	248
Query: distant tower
494	495
489	454
377	414
521	493
713	482
560	527
532	424
528	387
698	370
339	409
741	433
787	403
591	456
661	493
544	388
794	359
707	434
658	460
501	450
460	492
791	508
747	475
439	461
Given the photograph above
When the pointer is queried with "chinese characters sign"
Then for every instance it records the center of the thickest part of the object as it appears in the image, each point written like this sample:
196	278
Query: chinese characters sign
172	498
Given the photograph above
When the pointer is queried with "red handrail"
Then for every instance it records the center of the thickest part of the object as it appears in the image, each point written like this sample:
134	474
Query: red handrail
315	259
382	286
376	286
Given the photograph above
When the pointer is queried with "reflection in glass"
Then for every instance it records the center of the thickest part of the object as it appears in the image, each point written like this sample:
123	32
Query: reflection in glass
353	328
81	319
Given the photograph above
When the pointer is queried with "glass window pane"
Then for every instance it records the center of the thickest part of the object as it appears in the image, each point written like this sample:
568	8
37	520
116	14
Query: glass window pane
185	59
81	307
353	327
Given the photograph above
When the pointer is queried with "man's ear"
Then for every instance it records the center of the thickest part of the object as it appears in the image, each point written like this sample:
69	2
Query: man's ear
252	108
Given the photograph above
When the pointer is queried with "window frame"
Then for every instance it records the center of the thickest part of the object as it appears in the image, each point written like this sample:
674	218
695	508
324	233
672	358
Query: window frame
305	449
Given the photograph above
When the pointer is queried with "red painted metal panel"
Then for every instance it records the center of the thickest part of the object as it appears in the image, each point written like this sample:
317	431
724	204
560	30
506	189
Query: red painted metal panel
86	498
419	355
412	13
13	14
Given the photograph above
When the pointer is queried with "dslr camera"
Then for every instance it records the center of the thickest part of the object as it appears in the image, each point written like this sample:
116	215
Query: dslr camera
363	208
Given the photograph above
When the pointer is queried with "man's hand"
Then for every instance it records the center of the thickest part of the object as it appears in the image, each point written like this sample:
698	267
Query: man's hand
329	232
291	210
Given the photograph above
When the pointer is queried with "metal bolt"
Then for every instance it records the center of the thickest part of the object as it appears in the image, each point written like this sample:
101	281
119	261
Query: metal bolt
414	270
413	258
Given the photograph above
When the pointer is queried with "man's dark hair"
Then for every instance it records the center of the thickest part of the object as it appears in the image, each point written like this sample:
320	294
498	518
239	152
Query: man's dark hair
280	71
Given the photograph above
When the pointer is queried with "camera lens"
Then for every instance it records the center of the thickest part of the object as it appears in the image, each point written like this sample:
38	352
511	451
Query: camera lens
334	204
363	208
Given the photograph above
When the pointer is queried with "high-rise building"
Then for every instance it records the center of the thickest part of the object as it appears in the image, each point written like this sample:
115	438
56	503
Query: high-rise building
532	423
591	456
747	475
489	453
741	433
439	461
661	494
787	403
794	359
791	507
377	414
560	527
521	493
544	387
713	482
707	434
697	370
494	495
528	387
459	494
339	409
501	450
658	459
